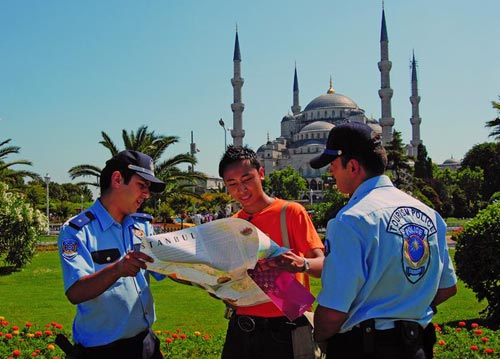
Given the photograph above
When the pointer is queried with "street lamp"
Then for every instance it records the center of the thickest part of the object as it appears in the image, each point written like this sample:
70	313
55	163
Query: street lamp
223	125
47	181
81	202
311	195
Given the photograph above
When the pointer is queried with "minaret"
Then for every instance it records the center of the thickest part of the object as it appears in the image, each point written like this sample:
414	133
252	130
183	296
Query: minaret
296	107
237	106
385	92
415	119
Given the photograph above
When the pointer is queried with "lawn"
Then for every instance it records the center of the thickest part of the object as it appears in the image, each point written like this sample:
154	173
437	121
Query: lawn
35	294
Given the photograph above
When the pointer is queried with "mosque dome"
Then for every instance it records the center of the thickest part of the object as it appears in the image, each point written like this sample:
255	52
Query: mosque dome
451	161
317	126
331	100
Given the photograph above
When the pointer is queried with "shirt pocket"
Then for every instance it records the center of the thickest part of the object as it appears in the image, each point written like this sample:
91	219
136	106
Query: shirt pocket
105	256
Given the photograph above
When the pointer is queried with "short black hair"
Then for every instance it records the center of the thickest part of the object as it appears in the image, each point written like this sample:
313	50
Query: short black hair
235	154
105	177
373	161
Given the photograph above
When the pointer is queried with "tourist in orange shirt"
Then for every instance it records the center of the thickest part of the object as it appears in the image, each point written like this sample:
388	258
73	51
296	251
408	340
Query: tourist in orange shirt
262	331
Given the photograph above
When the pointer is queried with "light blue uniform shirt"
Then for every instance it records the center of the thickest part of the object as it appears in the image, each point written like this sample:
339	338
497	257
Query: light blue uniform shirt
386	257
126	308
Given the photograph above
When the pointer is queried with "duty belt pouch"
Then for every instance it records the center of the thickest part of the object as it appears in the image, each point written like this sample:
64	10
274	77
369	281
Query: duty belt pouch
304	346
368	335
410	334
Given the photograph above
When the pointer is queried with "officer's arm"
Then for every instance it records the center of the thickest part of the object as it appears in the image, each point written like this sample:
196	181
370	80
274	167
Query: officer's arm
444	294
327	322
93	285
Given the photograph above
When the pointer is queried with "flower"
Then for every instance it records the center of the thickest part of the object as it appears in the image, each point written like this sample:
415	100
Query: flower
59	326
29	325
474	347
484	339
157	332
197	333
206	336
478	332
50	346
168	340
38	333
15	327
48	332
459	329
175	336
8	336
441	342
489	351
462	324
16	353
183	336
178	330
438	328
474	325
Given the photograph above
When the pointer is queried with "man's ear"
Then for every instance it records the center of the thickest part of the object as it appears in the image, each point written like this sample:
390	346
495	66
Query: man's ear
262	173
116	179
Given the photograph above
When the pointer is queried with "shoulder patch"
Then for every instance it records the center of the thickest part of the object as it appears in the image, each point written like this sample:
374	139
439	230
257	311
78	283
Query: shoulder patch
415	228
143	216
81	220
69	248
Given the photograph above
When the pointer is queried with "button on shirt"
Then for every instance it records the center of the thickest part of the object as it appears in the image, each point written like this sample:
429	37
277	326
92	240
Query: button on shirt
126	308
386	257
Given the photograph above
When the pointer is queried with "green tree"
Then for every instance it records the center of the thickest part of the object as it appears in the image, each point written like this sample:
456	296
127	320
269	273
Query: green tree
398	162
286	183
154	145
423	164
487	157
476	258
495	123
6	173
20	226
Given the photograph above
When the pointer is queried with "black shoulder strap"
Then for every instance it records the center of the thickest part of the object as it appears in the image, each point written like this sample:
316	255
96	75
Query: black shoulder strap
81	220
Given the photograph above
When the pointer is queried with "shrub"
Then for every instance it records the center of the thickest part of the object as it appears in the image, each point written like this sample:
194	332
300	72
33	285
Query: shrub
476	258
20	226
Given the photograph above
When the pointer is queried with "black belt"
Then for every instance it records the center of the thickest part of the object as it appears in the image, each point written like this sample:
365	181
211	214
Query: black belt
249	323
133	341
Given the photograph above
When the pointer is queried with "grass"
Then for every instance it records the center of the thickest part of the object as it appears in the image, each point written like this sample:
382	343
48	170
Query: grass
35	294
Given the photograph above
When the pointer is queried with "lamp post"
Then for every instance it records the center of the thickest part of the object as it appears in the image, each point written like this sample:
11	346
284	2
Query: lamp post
223	125
47	181
81	202
311	195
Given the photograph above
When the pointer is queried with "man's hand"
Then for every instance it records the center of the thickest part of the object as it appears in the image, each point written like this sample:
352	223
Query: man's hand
132	263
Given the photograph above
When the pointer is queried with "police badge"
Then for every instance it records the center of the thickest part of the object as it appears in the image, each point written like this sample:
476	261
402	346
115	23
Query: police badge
415	227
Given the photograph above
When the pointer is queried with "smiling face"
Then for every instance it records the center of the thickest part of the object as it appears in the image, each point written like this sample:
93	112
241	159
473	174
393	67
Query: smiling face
349	177
125	198
244	184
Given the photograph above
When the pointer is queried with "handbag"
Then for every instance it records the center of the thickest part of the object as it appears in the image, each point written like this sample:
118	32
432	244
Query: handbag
304	346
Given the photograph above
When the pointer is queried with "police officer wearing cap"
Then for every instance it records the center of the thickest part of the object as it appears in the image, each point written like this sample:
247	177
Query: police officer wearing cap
105	272
387	265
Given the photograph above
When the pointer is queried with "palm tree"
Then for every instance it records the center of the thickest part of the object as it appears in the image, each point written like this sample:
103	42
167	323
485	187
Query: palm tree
495	124
153	145
6	173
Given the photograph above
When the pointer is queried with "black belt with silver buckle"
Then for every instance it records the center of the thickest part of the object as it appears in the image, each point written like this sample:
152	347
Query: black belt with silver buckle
249	323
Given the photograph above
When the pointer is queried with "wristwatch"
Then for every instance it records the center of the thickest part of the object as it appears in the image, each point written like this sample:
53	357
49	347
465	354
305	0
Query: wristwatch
306	266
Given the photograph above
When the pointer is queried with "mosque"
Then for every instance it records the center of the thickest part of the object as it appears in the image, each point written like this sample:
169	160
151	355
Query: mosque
304	132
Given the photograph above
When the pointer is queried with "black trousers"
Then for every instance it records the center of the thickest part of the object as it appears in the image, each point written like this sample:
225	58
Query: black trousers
387	344
130	348
250	337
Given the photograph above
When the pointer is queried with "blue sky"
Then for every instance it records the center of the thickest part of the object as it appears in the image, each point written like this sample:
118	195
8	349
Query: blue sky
71	69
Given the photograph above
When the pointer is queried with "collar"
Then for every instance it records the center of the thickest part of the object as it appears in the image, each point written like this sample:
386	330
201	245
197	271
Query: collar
369	185
102	215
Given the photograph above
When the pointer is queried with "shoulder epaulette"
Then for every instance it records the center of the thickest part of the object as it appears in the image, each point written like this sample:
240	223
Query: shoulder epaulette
81	220
143	216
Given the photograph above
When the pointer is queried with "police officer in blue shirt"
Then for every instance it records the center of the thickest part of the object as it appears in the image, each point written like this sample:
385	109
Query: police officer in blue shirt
386	265
105	272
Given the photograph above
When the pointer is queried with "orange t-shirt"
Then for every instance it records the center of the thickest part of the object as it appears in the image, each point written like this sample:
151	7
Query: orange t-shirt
302	237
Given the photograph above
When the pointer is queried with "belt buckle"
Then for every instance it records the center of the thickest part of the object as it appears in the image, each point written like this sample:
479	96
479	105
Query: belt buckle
247	324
